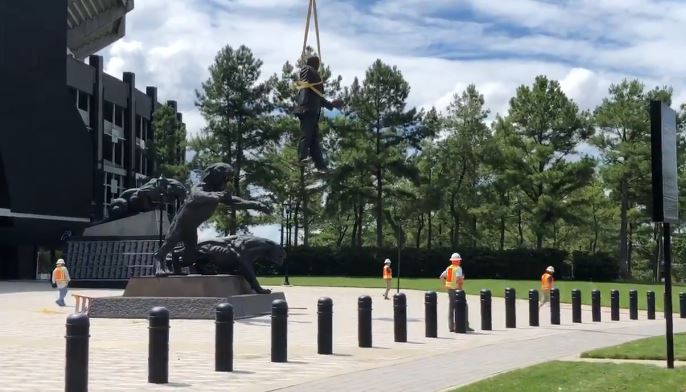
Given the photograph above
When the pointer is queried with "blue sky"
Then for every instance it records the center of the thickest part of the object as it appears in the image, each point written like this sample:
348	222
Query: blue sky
441	46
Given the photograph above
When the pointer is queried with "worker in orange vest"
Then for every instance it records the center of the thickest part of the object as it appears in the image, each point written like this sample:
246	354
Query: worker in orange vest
387	276
453	279
547	284
60	280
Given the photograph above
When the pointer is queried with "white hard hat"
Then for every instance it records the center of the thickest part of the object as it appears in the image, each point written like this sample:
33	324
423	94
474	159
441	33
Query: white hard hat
387	261
60	262
455	256
550	269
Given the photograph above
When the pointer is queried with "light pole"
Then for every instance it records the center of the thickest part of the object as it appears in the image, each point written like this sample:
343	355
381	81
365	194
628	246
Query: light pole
400	230
287	208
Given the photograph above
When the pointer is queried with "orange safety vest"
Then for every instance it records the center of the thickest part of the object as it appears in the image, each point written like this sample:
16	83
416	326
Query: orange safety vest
451	278
60	276
547	281
387	272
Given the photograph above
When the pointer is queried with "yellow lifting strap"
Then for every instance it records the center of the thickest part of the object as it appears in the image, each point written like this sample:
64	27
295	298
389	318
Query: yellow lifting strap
311	10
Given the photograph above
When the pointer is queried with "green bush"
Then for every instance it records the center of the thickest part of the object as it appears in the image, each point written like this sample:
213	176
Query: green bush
597	267
422	263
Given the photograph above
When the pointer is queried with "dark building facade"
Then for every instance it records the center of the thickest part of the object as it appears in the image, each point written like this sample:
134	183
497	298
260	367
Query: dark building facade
71	136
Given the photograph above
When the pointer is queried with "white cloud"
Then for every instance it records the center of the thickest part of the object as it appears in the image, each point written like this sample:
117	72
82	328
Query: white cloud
439	47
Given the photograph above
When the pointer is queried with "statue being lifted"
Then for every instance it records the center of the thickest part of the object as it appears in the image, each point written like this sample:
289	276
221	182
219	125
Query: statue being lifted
199	207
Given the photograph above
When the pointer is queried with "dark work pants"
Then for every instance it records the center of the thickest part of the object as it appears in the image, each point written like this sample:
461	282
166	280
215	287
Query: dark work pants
309	141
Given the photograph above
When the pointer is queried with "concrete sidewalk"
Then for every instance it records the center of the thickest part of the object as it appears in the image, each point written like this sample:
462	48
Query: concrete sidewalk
32	345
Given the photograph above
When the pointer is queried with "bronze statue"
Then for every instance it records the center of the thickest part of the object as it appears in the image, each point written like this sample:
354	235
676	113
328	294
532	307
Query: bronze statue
310	101
236	255
199	207
136	200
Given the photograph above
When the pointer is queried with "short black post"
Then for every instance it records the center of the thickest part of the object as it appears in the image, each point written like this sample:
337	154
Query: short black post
430	315
576	306
364	321
325	326
555	306
633	304
650	297
460	312
595	305
279	331
510	313
533	308
76	368
223	338
399	318
158	345
614	305
486	320
682	305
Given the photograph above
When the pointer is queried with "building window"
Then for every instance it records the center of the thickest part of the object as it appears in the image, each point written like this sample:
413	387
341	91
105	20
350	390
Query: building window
119	153
72	94
139	126
108	111
114	185
107	147
119	116
83	101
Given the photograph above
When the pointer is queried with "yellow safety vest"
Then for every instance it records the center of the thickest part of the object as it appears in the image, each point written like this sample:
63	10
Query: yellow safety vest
452	273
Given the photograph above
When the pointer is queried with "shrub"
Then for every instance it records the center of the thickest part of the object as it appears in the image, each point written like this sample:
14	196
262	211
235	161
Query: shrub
598	267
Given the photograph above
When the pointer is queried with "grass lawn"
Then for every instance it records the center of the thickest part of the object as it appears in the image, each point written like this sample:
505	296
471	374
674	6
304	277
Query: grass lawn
649	348
584	377
497	287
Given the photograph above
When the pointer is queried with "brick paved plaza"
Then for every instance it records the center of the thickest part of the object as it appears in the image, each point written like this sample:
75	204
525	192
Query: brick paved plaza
32	345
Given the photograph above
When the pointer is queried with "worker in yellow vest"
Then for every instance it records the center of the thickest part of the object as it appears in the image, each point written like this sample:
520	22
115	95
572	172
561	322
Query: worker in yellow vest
387	276
547	284
453	279
60	280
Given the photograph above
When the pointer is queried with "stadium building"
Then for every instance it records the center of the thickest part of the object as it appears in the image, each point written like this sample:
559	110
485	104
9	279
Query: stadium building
71	136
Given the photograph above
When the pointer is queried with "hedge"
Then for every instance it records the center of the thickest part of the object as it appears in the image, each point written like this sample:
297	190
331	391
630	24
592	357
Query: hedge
599	266
429	263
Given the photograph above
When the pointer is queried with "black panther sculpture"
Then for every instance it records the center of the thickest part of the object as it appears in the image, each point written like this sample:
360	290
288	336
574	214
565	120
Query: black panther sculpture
136	200
236	255
199	207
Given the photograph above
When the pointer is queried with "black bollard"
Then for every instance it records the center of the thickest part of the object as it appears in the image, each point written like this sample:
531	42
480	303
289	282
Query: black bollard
279	331
460	312
486	324
223	338
430	315
682	305
325	326
595	305
555	306
576	306
510	313
364	321
614	305
533	308
76	368
399	318
651	304
158	345
633	305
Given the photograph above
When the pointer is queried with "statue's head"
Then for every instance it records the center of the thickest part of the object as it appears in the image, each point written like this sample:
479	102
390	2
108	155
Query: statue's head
313	61
217	175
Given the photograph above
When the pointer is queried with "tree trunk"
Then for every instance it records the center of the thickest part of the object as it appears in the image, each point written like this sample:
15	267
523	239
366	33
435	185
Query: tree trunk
520	229
356	223
475	235
420	227
361	227
306	214
379	186
455	230
594	244
296	224
502	232
630	249
429	232
623	230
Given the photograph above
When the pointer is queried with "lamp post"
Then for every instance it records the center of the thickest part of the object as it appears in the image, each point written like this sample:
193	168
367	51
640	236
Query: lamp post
400	230
162	186
287	209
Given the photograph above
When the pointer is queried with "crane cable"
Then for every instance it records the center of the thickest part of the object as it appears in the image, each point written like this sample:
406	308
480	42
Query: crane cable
311	11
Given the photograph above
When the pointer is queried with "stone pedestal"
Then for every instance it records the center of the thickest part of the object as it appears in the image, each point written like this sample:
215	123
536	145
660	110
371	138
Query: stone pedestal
186	297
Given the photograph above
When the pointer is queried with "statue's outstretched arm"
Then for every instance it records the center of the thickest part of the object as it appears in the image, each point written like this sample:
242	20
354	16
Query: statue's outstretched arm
242	204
